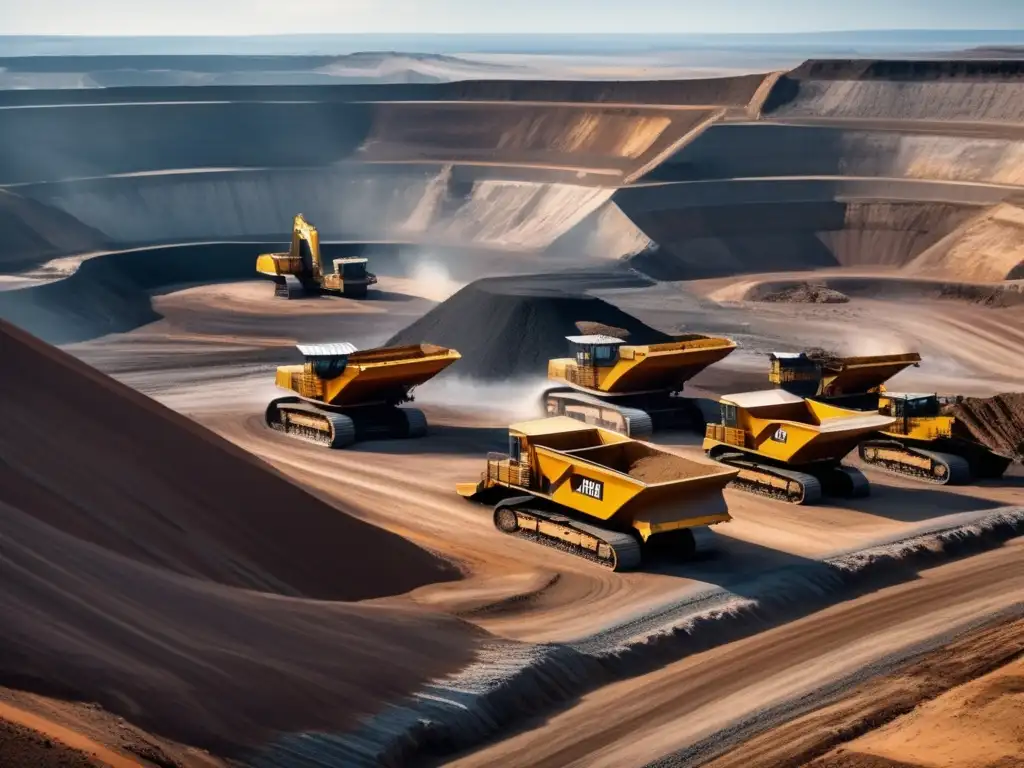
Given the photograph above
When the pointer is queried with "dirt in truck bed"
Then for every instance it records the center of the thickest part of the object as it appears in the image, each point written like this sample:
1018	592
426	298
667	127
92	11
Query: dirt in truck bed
664	467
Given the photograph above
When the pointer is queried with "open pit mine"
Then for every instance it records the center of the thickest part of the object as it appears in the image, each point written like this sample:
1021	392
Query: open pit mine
672	423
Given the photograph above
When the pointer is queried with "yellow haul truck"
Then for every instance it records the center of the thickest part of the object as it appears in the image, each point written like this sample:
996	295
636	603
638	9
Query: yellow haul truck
599	494
628	388
790	448
343	395
299	272
923	442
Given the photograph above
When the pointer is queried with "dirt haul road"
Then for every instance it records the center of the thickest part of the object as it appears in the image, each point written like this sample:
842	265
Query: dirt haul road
638	721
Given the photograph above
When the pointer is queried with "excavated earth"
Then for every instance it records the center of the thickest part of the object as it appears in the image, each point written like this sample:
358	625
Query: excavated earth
229	592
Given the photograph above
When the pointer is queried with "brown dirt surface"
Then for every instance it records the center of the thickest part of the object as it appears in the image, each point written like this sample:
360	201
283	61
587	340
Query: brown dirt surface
662	467
976	725
988	247
21	746
997	422
119	519
807	293
831	736
100	462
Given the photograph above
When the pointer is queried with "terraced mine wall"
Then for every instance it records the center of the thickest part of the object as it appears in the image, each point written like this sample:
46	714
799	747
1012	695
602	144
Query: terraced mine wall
969	91
915	165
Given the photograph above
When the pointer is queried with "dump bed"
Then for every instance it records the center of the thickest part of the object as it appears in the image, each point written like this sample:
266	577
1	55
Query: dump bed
789	428
654	367
607	475
853	375
383	375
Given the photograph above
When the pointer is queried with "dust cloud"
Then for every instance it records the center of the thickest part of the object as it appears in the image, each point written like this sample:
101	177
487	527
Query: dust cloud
517	399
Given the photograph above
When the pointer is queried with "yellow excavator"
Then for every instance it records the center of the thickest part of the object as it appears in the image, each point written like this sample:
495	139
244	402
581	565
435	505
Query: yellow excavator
343	394
299	272
599	494
923	442
790	448
628	388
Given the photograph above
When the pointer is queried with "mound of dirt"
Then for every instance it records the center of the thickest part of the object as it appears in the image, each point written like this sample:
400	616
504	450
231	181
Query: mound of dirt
599	329
806	293
997	422
31	233
97	460
508	327
137	548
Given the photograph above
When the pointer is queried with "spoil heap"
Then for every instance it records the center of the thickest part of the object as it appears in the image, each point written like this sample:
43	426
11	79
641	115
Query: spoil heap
806	293
101	462
136	547
996	422
512	326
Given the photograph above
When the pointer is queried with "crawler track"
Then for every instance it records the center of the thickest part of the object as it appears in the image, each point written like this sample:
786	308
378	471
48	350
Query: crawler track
783	484
304	421
927	466
611	549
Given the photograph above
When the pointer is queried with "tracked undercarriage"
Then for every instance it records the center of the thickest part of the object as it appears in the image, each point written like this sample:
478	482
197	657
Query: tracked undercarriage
339	428
938	467
289	287
523	517
795	486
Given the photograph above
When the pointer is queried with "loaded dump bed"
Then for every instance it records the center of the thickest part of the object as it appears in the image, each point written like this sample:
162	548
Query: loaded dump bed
642	462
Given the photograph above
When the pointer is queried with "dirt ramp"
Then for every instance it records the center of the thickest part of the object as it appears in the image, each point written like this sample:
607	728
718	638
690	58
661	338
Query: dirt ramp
507	327
32	232
102	463
988	247
997	422
968	91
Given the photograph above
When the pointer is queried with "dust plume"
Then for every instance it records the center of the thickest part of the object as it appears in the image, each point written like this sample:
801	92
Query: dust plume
517	399
433	280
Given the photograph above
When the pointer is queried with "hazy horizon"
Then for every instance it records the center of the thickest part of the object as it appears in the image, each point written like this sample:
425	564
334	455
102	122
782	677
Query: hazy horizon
270	17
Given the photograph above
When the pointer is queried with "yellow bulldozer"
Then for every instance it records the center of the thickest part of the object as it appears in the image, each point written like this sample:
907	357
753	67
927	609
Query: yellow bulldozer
923	442
629	388
343	395
599	494
299	272
790	448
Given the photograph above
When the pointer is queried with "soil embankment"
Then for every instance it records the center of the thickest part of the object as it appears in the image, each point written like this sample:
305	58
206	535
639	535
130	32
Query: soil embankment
138	548
972	91
506	327
102	463
32	232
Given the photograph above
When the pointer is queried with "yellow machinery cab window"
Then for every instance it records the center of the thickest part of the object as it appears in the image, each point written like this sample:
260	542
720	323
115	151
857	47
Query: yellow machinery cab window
729	414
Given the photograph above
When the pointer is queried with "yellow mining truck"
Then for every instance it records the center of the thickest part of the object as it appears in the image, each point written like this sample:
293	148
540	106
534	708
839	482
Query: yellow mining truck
299	272
924	442
599	494
343	394
630	389
790	448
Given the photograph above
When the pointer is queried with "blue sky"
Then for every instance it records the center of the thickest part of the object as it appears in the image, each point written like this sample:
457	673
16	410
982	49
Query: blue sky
225	17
